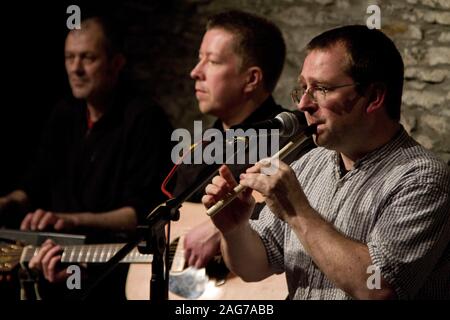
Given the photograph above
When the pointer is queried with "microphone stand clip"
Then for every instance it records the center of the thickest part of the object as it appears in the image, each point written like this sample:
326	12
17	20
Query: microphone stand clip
153	241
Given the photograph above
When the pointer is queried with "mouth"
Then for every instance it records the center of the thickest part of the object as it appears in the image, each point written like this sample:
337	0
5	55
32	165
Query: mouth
314	121
77	80
318	126
200	90
200	93
78	83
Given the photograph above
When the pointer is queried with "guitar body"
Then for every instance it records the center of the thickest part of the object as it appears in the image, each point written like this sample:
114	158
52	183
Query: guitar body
234	288
230	287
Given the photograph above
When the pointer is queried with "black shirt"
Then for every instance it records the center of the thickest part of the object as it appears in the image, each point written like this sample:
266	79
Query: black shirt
121	161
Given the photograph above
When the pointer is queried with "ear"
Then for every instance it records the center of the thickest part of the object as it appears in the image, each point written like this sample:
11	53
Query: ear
254	78
376	97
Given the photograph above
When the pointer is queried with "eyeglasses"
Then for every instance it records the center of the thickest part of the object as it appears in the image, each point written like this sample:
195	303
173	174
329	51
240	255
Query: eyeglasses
317	93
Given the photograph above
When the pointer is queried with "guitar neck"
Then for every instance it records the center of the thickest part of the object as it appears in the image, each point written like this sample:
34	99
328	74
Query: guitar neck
96	253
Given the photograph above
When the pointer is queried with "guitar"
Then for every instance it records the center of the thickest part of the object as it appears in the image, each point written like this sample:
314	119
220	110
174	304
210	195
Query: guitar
215	282
15	281
212	283
11	255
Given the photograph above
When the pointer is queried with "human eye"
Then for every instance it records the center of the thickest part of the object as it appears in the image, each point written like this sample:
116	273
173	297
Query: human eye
323	89
213	61
89	58
68	56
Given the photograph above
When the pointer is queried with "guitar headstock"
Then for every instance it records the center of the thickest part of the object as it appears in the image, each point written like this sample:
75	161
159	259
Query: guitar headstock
9	256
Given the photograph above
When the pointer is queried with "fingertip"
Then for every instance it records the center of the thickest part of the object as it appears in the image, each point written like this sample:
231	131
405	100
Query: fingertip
187	254
190	262
224	170
59	225
226	174
24	225
207	201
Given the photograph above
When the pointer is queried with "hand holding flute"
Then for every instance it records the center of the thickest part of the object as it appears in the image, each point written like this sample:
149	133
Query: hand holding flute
288	148
237	212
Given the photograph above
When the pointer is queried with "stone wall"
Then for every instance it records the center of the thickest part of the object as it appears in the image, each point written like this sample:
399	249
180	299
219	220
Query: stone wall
164	38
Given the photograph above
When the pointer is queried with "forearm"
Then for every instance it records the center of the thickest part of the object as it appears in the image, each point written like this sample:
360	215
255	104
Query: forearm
343	260
17	197
13	208
122	219
244	254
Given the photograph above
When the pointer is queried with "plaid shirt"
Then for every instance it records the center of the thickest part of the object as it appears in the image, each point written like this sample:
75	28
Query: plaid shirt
396	200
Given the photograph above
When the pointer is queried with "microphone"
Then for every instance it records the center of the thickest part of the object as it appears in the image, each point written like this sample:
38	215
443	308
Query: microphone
301	137
288	122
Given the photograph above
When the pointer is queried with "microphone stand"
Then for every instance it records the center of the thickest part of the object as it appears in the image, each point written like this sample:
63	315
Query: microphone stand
151	239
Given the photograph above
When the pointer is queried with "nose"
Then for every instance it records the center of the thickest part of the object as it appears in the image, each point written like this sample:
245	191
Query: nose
197	73
75	65
307	104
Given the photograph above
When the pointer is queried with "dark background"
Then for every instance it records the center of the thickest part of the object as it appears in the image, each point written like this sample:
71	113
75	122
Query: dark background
33	80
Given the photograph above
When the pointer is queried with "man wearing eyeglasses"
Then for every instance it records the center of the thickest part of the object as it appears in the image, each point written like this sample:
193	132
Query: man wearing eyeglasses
363	216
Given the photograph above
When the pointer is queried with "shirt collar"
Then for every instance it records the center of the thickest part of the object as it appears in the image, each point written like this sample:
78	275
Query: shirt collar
268	109
376	155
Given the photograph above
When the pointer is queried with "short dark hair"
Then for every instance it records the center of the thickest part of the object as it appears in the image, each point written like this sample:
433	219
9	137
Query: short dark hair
258	42
112	31
373	58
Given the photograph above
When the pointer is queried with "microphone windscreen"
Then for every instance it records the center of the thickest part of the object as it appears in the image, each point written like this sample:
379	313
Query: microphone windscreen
289	123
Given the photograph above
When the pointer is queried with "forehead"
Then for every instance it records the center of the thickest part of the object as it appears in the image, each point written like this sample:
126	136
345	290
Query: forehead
218	41
325	65
89	38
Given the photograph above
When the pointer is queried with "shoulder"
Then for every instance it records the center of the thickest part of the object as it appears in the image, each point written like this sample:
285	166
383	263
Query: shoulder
139	110
142	106
415	163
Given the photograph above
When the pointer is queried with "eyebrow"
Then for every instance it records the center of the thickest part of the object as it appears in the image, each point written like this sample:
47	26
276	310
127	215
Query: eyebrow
208	53
301	80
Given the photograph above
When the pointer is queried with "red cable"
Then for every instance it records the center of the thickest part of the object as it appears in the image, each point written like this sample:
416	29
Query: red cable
175	167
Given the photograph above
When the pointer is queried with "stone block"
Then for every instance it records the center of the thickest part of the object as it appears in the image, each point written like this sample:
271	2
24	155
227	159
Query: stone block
440	4
427	74
425	99
437	123
438	55
444	37
437	17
